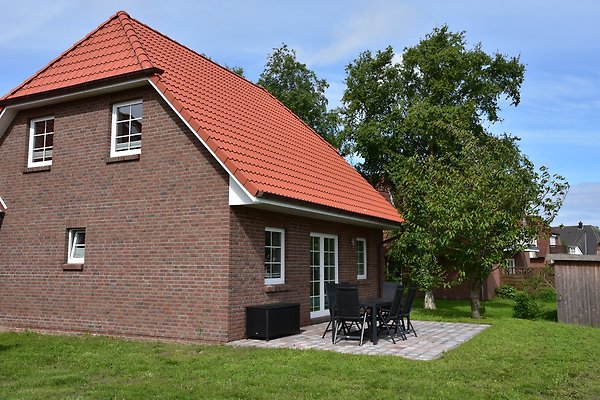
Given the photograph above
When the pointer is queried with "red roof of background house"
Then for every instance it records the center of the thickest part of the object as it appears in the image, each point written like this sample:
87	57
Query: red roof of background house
263	144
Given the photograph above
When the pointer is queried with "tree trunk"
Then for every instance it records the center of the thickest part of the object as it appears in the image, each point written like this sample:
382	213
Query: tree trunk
429	300
475	303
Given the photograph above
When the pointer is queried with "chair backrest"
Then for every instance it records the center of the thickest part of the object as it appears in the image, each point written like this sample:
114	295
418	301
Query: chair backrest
330	292
347	302
397	301
389	290
410	296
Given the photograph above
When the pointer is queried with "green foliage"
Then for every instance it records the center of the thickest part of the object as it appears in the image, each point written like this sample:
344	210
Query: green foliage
236	70
469	197
506	292
390	107
299	89
512	359
545	294
526	306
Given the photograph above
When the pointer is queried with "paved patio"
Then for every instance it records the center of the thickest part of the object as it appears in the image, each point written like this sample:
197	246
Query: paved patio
434	338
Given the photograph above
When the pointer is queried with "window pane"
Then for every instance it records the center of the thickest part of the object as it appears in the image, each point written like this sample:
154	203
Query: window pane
49	140
39	127
276	271
122	129
38	155
276	239
48	154
50	125
79	252
136	110
38	141
267	270
135	143
276	254
136	126
123	113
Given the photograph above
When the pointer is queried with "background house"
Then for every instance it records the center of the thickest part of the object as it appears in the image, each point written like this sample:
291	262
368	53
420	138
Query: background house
578	239
151	192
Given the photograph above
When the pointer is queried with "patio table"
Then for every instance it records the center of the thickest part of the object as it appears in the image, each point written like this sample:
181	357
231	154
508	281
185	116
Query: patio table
375	304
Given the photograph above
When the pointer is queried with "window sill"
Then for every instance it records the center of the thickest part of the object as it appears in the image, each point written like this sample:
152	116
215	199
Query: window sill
131	157
72	267
37	169
276	288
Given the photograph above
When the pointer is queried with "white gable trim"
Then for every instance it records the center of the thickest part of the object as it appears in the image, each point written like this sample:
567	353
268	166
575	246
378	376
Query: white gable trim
240	196
239	189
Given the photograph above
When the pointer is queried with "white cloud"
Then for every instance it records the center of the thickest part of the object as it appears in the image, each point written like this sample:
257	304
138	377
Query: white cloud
375	23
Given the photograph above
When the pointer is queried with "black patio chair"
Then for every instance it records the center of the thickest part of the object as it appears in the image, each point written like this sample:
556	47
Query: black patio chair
330	292
389	290
389	318
348	313
407	326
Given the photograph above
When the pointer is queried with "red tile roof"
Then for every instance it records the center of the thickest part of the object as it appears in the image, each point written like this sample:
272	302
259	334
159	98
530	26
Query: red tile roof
263	144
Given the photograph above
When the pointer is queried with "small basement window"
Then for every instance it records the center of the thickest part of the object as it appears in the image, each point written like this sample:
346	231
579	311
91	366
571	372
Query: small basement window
76	253
41	142
126	132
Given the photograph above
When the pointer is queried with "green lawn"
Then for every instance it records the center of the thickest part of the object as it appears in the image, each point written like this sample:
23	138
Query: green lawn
513	359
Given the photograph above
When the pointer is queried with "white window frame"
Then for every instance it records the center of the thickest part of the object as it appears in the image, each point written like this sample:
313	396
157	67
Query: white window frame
113	131
511	266
364	260
281	279
71	259
30	162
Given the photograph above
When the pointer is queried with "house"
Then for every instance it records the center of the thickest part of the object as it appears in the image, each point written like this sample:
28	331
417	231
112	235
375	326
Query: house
527	263
579	239
148	191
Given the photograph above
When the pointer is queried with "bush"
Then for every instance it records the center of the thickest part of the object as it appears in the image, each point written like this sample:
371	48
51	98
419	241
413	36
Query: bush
545	294
506	292
526	306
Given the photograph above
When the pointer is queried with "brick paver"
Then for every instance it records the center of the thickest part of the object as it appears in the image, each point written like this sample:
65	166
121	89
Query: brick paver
434	338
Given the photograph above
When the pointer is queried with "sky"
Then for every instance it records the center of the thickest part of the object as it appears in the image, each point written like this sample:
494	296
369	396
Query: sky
557	121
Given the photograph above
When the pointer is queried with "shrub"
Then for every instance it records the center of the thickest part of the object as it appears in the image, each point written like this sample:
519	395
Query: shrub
506	292
545	294
526	306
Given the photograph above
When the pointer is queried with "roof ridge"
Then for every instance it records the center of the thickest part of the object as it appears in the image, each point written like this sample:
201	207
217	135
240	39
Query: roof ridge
187	48
136	44
60	56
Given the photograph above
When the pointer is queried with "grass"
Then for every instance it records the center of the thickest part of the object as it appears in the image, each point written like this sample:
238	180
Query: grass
513	359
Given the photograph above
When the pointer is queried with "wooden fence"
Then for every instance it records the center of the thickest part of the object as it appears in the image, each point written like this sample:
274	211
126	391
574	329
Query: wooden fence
577	282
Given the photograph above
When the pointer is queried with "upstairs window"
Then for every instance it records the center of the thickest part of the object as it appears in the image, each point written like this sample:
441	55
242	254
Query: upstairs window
126	134
361	258
76	253
274	256
41	142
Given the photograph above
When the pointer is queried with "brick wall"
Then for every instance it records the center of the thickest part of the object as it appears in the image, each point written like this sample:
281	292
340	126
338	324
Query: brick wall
165	254
247	261
156	261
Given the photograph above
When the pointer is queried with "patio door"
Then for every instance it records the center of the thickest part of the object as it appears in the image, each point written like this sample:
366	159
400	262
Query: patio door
323	269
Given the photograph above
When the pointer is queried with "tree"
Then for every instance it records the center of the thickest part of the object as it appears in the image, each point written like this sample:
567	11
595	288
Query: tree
236	70
419	125
299	89
469	210
389	107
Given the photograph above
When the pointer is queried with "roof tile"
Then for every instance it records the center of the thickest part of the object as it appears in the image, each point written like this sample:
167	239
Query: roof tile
263	144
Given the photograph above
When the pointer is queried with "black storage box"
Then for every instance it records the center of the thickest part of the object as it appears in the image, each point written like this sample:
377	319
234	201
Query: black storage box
267	321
